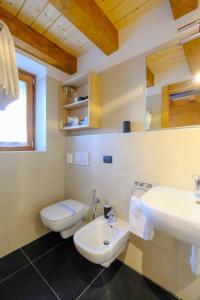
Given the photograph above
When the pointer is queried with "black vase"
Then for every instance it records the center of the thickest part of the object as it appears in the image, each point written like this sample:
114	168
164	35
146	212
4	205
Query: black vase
126	126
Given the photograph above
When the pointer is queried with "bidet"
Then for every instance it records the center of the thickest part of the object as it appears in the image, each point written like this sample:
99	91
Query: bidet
101	242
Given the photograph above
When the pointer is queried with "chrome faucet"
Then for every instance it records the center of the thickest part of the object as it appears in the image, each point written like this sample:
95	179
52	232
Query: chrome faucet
111	217
197	188
95	202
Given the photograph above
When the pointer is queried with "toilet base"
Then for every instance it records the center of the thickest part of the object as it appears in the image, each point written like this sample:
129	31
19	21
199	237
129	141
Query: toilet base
65	234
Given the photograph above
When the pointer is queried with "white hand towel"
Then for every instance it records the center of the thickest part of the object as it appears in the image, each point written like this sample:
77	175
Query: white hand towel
9	80
138	223
195	260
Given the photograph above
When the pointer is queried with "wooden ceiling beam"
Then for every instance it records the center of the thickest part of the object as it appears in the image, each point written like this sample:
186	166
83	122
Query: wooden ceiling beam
37	45
192	53
182	7
91	21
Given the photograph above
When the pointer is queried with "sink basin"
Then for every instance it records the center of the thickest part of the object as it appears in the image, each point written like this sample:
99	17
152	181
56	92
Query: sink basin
174	211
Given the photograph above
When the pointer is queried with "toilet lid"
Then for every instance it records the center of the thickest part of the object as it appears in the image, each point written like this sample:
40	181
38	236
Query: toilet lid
62	210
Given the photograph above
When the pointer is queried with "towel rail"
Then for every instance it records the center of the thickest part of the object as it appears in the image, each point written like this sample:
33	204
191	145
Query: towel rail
143	186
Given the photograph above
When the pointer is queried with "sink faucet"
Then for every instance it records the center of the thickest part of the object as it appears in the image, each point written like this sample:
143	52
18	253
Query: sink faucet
197	188
111	217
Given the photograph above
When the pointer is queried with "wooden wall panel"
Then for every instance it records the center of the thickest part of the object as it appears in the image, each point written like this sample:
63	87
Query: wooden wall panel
165	108
184	113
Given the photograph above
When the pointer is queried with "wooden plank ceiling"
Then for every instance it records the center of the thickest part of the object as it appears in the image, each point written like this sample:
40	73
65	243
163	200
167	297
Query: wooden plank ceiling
123	12
88	17
48	21
166	59
29	40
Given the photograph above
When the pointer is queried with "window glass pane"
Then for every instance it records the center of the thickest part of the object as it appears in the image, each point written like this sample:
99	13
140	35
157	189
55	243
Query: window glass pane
13	120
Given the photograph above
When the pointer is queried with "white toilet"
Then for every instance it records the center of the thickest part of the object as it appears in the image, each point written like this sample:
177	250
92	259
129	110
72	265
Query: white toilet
65	217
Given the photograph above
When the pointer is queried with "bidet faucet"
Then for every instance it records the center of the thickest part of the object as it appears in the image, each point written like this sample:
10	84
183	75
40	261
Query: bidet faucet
95	201
111	217
197	187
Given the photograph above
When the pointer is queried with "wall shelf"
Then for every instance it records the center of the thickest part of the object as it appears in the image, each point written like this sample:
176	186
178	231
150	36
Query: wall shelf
85	85
76	127
76	105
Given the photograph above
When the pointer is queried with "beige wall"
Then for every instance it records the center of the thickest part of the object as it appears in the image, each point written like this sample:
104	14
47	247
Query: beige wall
30	181
154	106
122	97
168	157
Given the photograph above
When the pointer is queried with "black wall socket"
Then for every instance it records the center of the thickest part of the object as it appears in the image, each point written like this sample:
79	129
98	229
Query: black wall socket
107	159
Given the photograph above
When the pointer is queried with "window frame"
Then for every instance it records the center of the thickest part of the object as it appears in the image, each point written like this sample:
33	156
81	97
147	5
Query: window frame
30	80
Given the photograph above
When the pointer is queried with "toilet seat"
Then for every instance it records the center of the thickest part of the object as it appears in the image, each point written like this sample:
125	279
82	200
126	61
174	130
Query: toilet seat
63	214
62	210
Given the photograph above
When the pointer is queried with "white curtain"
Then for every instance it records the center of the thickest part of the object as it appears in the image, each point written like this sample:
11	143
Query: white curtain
9	80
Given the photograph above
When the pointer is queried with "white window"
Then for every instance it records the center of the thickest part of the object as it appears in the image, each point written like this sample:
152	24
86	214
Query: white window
17	120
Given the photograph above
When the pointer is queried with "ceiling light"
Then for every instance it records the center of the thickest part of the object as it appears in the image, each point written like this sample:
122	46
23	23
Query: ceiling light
197	78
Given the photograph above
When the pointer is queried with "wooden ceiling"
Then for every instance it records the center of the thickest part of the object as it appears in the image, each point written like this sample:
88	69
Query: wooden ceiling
71	28
182	7
166	59
48	21
123	12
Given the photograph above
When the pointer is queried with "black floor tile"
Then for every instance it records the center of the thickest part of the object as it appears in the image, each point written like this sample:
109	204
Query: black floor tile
11	263
42	245
119	282
67	271
26	285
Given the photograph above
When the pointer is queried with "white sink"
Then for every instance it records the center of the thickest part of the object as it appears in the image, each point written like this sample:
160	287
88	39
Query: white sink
173	211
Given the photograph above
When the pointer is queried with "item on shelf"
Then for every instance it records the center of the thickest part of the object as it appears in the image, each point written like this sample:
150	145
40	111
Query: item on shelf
76	100
68	124
84	121
71	121
69	91
82	98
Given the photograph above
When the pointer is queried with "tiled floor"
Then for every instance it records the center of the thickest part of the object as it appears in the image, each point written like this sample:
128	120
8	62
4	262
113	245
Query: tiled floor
51	268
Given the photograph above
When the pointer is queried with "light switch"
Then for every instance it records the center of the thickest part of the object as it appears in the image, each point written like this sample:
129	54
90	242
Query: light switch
82	158
69	158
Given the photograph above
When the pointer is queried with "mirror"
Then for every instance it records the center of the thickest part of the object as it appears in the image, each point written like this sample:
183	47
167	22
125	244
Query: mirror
173	86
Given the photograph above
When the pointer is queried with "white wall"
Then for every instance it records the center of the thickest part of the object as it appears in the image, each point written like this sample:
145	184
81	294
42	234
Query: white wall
154	105
32	180
166	157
